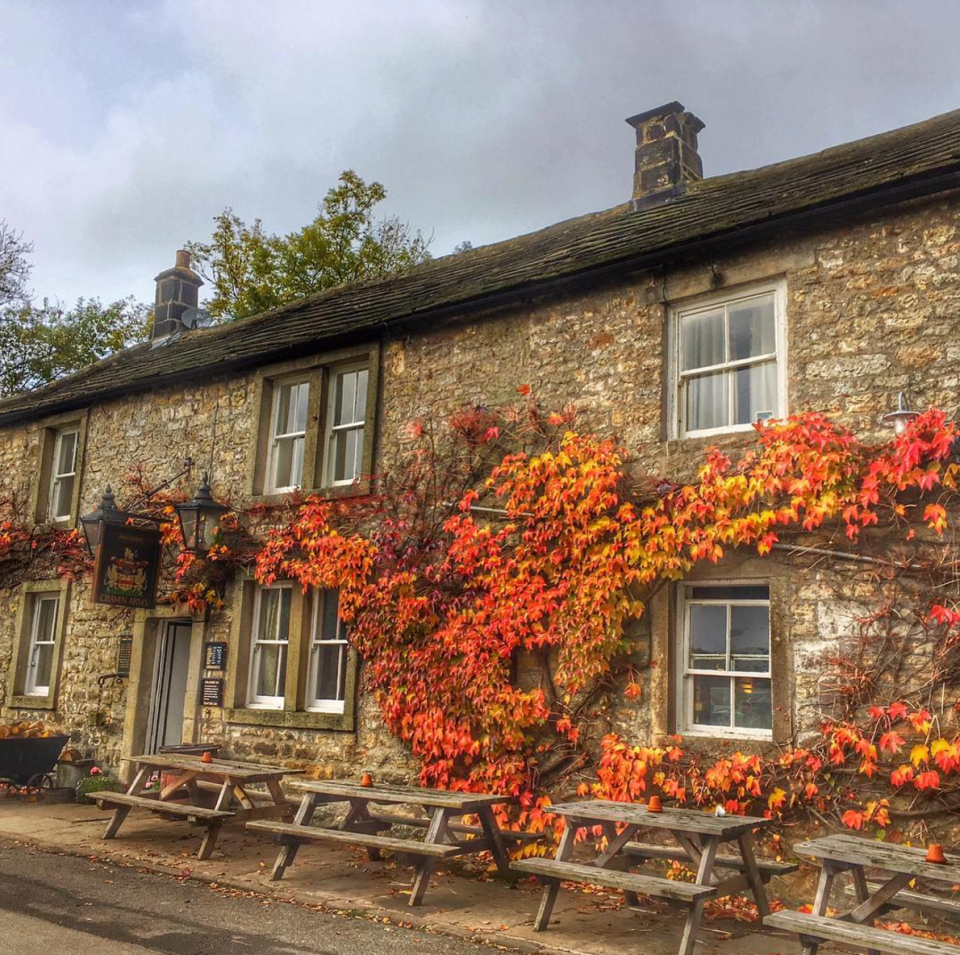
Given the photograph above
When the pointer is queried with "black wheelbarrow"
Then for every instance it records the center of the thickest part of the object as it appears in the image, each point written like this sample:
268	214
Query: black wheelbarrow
30	762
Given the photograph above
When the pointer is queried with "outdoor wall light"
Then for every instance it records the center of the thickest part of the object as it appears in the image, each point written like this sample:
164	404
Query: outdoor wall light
200	519
106	513
902	416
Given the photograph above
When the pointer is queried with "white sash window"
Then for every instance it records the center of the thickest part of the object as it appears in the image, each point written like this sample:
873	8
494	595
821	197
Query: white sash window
63	476
43	638
288	430
348	405
327	679
269	646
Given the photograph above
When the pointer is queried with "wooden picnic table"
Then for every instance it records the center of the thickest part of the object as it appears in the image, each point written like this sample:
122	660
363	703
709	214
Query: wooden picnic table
365	826
838	854
698	837
184	796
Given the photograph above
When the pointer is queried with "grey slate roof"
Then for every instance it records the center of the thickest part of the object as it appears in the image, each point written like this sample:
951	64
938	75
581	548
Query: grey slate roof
915	160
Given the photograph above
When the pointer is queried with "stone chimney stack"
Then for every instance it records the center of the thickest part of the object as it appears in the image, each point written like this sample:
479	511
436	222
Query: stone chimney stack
177	290
667	154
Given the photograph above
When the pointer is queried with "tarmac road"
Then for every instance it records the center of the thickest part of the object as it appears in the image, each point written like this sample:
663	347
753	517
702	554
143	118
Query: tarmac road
52	904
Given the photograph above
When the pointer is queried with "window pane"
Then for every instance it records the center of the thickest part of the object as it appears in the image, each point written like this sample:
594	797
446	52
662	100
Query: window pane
360	410
701	340
283	624
750	638
303	395
331	672
44	665
346	444
726	592
346	393
752	328
62	496
271	670
711	700
46	620
753	705
755	393
66	457
328	615
289	462
708	637
286	402
707	405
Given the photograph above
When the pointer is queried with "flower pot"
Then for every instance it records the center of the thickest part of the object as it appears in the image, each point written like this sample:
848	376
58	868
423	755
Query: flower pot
207	757
935	853
654	804
366	780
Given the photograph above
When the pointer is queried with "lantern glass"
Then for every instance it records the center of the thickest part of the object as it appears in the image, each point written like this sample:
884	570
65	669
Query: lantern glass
200	520
92	523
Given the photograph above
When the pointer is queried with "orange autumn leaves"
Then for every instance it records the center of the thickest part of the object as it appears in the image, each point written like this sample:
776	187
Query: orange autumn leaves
442	619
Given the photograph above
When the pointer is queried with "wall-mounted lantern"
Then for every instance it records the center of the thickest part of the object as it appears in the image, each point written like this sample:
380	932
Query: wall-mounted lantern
200	519
902	417
106	513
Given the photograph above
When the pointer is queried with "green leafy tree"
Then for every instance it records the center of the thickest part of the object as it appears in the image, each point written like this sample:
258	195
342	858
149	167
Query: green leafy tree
252	270
40	343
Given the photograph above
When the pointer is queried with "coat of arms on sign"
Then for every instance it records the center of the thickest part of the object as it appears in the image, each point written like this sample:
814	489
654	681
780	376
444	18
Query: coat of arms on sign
126	576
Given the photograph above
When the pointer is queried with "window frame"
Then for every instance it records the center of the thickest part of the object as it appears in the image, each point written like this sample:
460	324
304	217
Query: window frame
273	438
30	686
332	430
41	490
686	673
30	592
56	477
319	371
315	704
254	700
677	377
294	713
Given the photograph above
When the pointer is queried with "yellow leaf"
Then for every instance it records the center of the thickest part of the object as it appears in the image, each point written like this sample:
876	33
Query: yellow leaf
919	754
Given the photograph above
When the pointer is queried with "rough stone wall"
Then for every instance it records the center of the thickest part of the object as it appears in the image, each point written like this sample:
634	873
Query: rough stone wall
872	309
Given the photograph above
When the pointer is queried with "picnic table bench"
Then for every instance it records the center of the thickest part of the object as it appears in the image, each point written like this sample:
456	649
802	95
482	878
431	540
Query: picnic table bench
364	826
838	854
698	836
184	796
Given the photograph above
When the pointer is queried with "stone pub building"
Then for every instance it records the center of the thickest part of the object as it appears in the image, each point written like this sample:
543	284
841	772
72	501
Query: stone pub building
674	321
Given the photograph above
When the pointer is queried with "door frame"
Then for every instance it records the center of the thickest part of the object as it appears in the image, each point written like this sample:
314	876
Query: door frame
147	627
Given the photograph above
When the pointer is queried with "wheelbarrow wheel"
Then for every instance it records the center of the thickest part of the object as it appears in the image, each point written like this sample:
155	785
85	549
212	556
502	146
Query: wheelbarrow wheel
41	781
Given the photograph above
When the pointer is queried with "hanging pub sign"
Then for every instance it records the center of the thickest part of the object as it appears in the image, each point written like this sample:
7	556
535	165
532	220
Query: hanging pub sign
127	568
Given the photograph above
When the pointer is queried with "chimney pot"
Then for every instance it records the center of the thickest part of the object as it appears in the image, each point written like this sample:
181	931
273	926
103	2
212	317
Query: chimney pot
666	155
177	290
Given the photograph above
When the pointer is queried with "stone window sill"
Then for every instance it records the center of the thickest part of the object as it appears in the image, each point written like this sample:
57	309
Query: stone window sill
24	702
291	719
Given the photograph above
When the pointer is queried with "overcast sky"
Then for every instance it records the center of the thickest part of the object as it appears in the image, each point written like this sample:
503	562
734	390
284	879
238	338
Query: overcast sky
126	126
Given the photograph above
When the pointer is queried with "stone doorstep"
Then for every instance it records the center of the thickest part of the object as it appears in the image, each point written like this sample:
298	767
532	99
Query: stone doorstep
60	820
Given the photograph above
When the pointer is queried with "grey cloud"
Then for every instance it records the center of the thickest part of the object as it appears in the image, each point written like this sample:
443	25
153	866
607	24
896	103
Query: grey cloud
127	127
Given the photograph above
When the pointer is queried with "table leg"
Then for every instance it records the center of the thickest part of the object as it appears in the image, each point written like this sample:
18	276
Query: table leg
288	852
436	833
824	885
121	812
863	893
552	889
357	817
708	854
759	890
209	841
615	844
492	831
